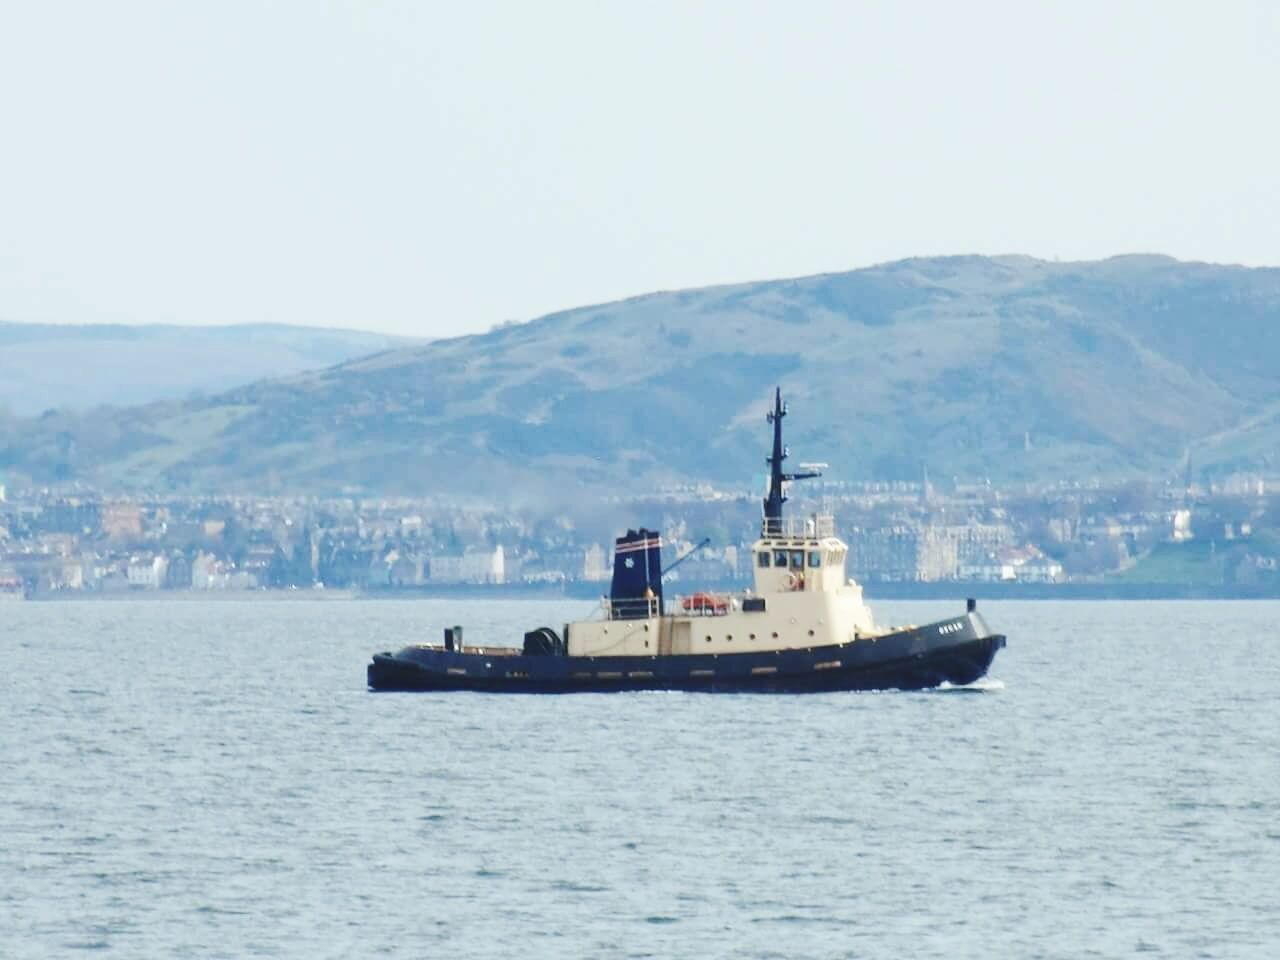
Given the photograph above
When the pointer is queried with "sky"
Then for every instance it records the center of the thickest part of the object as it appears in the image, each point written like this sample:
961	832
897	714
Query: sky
434	169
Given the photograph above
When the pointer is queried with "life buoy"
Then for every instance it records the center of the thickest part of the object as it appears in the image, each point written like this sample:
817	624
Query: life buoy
795	581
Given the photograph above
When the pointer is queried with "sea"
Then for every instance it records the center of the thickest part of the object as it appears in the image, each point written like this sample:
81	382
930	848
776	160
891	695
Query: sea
213	779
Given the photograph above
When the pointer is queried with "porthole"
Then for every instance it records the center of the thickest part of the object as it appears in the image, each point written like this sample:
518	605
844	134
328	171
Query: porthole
775	634
728	636
753	636
708	638
810	634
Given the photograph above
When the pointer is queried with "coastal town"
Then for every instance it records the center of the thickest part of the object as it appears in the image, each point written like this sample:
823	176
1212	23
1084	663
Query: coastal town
78	543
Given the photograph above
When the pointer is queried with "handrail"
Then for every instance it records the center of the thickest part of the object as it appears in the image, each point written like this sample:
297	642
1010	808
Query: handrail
636	608
703	603
814	526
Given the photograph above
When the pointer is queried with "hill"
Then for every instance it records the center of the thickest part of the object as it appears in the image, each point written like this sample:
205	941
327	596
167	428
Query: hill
52	366
1008	368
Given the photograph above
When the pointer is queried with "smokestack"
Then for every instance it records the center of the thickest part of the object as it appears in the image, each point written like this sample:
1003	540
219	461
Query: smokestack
637	575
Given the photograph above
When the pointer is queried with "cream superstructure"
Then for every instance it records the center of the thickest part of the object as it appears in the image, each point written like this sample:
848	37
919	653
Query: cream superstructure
801	598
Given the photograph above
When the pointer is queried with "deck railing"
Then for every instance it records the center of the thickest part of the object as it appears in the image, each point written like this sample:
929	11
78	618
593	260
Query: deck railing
704	603
801	528
632	609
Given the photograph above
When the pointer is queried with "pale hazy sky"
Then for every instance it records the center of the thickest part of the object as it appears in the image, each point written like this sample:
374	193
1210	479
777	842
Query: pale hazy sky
433	169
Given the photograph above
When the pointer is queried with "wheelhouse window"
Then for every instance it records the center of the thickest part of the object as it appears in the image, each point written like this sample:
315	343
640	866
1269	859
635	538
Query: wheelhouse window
815	558
797	559
780	559
762	558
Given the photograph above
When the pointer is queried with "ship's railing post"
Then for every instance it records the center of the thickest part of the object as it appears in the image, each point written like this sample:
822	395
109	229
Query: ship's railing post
629	608
815	525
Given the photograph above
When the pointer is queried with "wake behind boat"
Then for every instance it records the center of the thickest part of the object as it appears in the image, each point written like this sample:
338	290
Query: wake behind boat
803	627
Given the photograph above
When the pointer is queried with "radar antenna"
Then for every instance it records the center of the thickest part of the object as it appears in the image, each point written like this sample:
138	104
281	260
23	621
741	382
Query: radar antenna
776	498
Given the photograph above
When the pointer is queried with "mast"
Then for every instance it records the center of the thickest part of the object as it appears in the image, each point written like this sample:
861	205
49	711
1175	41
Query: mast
776	498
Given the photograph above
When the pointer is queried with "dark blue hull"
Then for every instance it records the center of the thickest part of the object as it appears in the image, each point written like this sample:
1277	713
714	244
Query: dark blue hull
955	651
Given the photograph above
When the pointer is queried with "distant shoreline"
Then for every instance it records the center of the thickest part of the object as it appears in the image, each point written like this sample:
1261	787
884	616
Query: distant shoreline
940	590
1066	591
184	596
578	591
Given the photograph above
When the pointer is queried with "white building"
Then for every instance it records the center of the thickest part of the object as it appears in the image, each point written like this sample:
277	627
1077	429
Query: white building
472	566
210	573
595	564
1182	526
1022	565
147	573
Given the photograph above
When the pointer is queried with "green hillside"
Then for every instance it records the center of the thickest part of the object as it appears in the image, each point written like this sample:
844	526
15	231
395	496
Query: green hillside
1208	564
1009	368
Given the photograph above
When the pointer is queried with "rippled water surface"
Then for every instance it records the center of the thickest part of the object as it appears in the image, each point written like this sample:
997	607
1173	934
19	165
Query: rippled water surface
212	779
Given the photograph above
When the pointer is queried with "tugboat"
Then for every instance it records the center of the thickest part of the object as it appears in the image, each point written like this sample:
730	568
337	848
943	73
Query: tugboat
802	628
